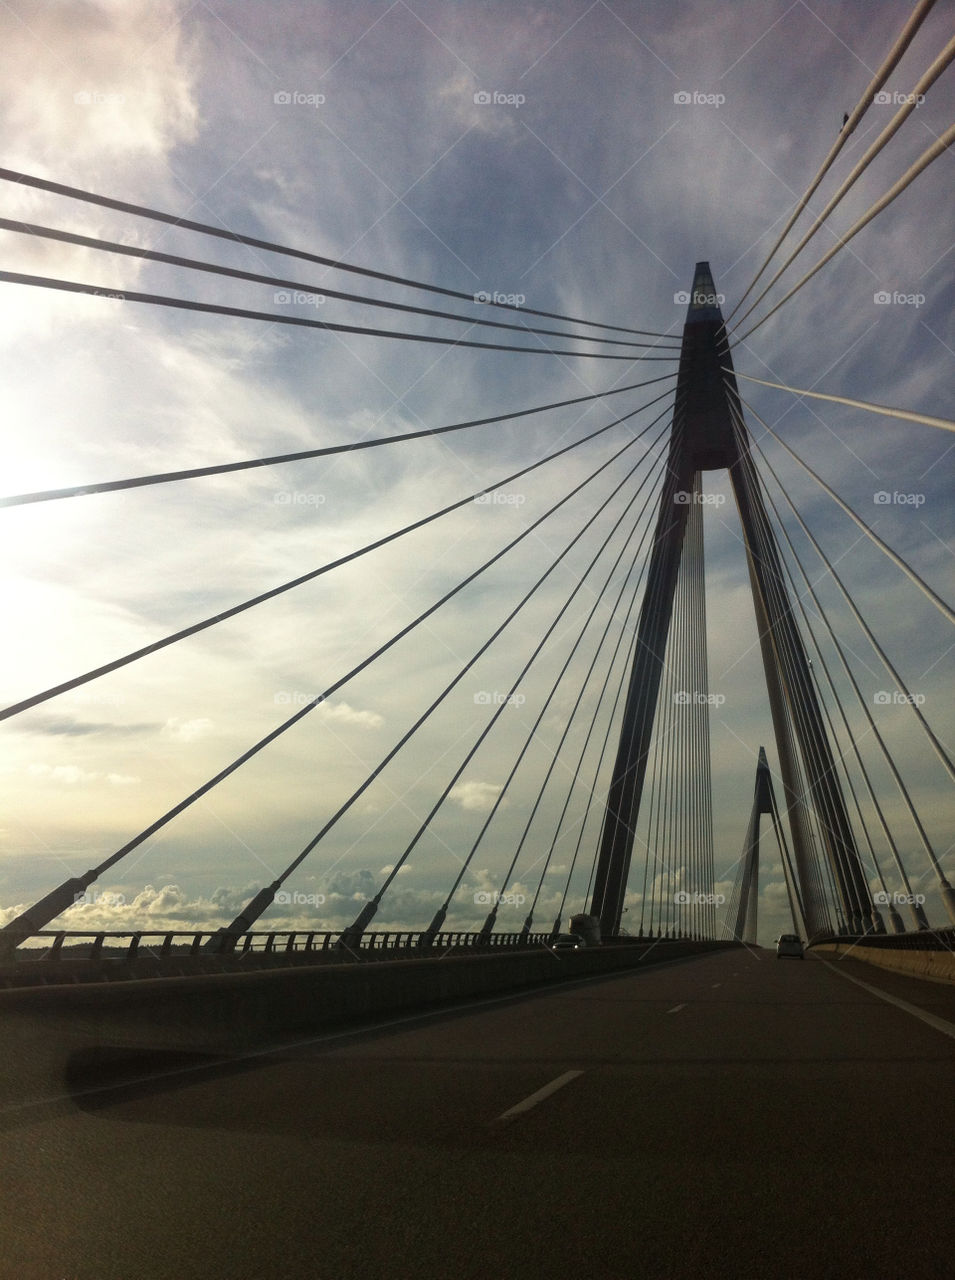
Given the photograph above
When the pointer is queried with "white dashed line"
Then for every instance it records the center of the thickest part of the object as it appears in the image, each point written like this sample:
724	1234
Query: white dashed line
676	1008
946	1028
541	1094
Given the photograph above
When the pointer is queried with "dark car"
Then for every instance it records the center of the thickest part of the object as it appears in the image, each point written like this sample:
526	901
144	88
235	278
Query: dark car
567	942
789	945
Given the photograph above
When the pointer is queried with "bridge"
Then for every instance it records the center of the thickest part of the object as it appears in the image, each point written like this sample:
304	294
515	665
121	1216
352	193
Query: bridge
506	961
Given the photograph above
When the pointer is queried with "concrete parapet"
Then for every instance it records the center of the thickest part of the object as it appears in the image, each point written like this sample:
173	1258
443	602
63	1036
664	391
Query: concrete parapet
936	966
230	1013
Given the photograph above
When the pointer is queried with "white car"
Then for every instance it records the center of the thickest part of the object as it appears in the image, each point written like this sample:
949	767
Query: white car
789	945
567	942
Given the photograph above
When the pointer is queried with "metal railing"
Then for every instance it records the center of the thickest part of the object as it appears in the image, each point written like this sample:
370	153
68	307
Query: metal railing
50	944
923	940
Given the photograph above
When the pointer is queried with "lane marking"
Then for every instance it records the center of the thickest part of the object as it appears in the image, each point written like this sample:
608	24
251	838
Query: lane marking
946	1028
676	1008
717	984
540	1095
278	1047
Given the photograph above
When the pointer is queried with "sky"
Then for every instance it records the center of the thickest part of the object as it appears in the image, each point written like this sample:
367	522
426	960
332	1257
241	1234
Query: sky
579	158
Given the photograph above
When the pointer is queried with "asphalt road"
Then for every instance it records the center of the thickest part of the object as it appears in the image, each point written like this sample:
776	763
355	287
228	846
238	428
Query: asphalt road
726	1116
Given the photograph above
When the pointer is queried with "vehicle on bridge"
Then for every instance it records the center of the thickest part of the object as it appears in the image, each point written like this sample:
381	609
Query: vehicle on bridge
568	942
788	944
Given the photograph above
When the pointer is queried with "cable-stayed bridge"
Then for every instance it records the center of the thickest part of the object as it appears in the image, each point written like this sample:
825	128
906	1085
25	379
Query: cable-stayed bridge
651	781
563	1049
651	784
604	808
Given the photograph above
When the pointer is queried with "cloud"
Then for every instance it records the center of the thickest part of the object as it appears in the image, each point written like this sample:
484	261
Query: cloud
587	199
476	796
186	730
342	713
68	774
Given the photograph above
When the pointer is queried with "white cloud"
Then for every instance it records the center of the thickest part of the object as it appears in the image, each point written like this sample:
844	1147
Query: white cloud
477	796
100	390
186	730
342	713
69	775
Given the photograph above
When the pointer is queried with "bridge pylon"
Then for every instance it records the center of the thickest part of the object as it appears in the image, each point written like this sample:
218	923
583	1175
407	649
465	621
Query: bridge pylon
708	434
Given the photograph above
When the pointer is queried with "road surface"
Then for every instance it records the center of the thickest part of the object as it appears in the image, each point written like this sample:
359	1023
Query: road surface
725	1116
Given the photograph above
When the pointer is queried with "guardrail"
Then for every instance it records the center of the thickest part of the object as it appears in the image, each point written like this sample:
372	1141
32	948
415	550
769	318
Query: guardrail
923	940
133	945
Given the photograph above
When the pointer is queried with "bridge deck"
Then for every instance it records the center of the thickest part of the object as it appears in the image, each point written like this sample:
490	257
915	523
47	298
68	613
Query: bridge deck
730	1116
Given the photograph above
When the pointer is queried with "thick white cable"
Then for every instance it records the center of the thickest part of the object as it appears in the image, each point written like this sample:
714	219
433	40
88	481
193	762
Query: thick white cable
925	159
912	102
870	533
902	42
907	415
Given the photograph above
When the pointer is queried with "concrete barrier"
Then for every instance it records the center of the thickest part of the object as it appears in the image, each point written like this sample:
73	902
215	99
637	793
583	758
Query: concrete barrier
231	1013
936	966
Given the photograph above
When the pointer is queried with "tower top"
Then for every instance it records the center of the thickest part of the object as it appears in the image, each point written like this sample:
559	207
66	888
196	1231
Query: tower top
764	784
701	394
704	304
